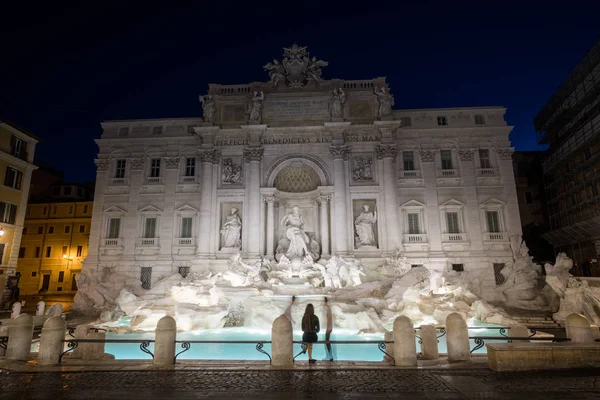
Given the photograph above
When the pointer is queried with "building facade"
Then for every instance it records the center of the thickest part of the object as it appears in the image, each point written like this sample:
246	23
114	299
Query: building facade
55	241
17	148
433	187
569	124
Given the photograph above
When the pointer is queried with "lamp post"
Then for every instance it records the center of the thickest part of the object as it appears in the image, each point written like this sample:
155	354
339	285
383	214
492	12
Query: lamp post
68	260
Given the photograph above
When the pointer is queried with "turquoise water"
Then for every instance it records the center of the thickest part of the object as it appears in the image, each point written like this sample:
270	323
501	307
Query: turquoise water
211	351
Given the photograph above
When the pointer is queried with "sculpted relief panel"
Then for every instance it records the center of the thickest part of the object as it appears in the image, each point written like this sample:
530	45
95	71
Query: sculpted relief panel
362	168
231	171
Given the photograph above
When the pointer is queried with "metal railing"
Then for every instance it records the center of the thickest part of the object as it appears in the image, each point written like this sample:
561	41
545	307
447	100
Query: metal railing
381	345
187	344
72	344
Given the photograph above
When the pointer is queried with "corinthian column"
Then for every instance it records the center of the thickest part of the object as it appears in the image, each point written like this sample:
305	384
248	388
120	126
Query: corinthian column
340	183
270	200
324	202
207	158
253	156
387	153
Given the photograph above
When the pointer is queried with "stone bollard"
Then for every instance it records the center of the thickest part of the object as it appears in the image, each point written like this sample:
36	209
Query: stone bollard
3	333
40	308
429	342
389	348
164	341
20	334
405	348
457	338
578	329
519	331
282	348
51	341
89	351
16	310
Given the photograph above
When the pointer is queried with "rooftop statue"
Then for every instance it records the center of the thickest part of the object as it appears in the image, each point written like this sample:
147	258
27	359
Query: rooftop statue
297	68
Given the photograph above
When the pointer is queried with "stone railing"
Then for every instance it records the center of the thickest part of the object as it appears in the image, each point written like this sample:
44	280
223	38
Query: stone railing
185	242
411	174
119	182
495	236
113	242
154	180
358	84
454	237
415	238
188	179
147	242
486	171
447	173
234	89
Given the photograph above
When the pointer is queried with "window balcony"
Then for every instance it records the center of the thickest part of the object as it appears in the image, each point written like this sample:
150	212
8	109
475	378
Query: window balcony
415	238
119	182
486	171
185	242
454	237
188	179
411	174
154	180
113	242
147	242
447	173
495	237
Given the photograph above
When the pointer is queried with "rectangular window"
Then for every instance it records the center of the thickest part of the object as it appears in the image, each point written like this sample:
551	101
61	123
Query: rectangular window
18	148
54	209
85	209
124	131
484	158
45	210
498	267
150	227
13	178
442	121
155	168
21	252
8	213
33	274
70	210
416	265
68	229
50	229
528	198
493	221
413	224
120	169
157	130
38	252
479	119
67	190
186	227
114	225
79	251
56	191
408	158
48	251
452	222
61	276
458	267
184	271
190	167
446	159
25	231
81	228
40	230
64	250
146	277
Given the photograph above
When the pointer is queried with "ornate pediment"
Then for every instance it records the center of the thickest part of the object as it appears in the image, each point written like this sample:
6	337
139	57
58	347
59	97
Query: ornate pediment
297	69
150	209
452	203
114	210
186	208
491	203
413	204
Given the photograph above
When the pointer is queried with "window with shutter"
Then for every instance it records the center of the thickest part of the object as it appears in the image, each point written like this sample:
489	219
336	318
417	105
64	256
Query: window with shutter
452	222
493	221
413	224
114	225
186	227
150	228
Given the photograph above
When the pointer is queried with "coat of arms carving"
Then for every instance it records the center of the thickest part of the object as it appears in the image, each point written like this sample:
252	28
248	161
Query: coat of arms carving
297	68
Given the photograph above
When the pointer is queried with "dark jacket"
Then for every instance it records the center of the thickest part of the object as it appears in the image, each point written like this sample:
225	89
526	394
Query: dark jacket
312	327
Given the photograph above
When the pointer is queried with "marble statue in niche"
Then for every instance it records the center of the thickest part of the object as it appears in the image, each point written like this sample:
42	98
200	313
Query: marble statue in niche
254	108
208	107
364	227
386	101
231	230
295	242
336	103
362	168
231	173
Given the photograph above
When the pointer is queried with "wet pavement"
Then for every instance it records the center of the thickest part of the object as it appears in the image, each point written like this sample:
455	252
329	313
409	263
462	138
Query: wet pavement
471	383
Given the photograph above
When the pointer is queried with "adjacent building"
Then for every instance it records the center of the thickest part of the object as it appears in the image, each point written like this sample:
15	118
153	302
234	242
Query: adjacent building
569	124
17	147
432	187
55	240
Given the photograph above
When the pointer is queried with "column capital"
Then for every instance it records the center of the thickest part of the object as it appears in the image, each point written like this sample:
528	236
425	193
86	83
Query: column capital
385	151
427	156
466	154
137	164
269	199
171	162
339	152
323	199
209	156
102	164
505	153
253	154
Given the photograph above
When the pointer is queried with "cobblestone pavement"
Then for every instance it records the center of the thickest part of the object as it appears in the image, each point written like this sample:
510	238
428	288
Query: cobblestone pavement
322	384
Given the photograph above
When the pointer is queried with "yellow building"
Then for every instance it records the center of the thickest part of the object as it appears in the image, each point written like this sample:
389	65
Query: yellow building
16	165
55	242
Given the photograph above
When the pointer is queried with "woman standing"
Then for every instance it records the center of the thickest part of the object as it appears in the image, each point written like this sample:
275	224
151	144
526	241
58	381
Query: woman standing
310	327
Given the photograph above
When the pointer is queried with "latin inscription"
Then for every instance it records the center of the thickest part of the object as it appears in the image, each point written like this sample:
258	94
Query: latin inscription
298	140
297	108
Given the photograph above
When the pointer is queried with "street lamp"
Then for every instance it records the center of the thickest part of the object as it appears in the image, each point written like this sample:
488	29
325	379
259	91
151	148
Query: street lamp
1	232
68	260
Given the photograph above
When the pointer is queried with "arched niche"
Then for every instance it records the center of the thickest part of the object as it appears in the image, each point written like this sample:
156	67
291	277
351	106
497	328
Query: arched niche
298	161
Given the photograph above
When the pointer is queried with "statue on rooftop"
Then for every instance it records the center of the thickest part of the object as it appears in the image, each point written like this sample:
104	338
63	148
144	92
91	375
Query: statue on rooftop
386	101
208	107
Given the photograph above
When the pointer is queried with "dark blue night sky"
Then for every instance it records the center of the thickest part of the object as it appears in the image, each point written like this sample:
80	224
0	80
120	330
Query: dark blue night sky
64	69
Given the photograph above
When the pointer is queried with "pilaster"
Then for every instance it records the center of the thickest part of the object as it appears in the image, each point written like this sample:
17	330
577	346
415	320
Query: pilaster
472	218
434	231
389	188
505	167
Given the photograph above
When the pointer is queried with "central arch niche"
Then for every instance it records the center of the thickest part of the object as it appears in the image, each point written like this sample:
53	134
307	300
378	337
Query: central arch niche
297	179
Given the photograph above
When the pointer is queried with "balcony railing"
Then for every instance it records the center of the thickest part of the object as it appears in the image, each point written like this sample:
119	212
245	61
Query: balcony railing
188	179
185	242
495	236
119	181
147	242
415	238
411	174
454	237
151	180
112	242
487	172
447	173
